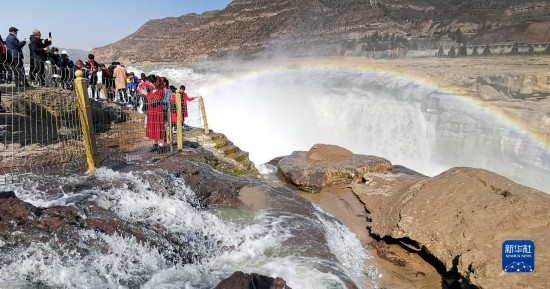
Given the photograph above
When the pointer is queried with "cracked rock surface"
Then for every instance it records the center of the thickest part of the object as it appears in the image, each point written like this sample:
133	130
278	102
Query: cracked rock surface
461	218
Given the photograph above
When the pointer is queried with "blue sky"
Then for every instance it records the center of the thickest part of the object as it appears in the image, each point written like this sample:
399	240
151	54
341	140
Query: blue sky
88	24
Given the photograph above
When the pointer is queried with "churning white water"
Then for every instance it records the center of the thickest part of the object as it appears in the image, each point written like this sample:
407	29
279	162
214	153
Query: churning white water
275	119
250	242
272	114
275	114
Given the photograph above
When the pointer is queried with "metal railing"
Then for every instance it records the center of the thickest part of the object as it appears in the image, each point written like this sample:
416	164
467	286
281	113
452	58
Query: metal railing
39	129
41	125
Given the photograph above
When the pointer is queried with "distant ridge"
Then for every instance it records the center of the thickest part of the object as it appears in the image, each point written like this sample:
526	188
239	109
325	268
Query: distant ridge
259	28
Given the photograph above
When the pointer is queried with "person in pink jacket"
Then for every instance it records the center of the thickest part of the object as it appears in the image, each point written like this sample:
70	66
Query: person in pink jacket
186	98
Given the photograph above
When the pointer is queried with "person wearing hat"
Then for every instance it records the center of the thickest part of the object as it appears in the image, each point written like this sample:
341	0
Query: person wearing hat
15	51
64	65
39	51
54	58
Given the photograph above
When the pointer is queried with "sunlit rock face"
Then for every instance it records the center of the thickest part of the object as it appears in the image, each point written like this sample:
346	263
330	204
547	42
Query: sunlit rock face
326	165
319	27
462	217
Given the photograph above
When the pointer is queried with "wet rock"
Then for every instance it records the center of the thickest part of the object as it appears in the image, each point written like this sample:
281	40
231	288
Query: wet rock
212	187
488	93
215	188
7	195
68	229
326	165
460	219
240	280
322	153
397	267
57	220
403	269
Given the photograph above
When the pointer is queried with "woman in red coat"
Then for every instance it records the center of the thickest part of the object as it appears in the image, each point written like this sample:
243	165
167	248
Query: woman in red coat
155	118
173	107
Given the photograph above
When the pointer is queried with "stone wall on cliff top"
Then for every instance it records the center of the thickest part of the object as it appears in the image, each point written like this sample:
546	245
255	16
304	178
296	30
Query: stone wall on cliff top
462	217
318	27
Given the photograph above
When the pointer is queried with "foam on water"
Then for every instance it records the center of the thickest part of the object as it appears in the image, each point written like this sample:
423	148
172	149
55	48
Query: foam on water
221	246
266	169
125	262
351	258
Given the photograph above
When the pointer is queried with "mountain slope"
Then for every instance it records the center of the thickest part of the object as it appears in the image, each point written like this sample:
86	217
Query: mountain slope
320	27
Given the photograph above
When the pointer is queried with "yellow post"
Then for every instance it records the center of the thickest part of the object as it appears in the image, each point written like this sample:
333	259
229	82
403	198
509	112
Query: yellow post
203	111
179	127
85	113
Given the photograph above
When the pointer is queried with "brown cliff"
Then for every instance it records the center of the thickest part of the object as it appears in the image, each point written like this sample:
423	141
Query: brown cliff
319	27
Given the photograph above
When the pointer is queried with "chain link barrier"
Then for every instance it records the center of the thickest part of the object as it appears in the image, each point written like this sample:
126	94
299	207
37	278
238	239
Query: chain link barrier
40	129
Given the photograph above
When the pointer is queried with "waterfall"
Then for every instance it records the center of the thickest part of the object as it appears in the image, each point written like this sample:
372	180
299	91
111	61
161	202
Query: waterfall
271	114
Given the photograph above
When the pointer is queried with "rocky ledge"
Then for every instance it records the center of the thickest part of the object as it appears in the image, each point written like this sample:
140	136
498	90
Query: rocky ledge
325	165
240	280
462	217
457	221
80	223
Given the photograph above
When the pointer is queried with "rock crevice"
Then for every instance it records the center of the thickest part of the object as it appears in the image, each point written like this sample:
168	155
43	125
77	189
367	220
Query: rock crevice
460	219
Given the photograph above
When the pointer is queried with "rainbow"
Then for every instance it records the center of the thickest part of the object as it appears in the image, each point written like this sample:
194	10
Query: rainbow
261	70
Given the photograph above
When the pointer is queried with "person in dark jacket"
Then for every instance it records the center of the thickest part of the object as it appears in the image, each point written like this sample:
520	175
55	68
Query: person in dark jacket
39	53
65	64
108	82
55	59
32	72
54	56
14	48
93	67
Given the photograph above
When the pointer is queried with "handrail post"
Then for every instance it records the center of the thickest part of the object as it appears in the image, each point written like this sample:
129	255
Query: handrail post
86	122
169	136
203	111
179	127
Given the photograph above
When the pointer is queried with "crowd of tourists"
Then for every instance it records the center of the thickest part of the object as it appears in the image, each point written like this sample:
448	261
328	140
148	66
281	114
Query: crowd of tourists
161	99
152	95
12	58
50	67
